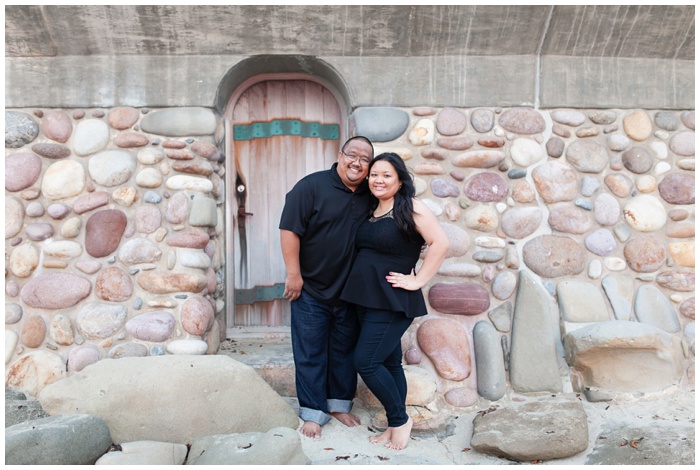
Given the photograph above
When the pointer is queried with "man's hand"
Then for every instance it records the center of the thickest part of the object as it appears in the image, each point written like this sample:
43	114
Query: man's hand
292	287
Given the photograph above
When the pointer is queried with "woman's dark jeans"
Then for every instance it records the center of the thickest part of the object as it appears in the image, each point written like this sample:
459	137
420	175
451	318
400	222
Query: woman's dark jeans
378	360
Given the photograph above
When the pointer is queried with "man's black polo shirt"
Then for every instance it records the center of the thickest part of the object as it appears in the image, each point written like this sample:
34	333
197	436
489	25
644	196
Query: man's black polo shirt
325	214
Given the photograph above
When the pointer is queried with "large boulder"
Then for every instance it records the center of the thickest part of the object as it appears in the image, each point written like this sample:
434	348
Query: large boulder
279	446
75	439
543	430
624	356
174	399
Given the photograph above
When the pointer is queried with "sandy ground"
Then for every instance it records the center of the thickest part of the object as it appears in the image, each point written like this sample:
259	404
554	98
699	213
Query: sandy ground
653	417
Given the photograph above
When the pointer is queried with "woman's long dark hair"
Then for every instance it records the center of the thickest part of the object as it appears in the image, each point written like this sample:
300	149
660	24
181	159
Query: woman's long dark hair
403	199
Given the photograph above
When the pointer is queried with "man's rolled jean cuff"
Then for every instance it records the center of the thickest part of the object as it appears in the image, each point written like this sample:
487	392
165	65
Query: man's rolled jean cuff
339	406
316	416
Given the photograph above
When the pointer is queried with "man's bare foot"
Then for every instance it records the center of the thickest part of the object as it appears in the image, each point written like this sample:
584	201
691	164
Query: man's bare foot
311	430
382	438
346	418
400	436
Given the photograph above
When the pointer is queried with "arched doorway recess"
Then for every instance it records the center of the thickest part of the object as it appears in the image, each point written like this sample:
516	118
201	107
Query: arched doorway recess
279	127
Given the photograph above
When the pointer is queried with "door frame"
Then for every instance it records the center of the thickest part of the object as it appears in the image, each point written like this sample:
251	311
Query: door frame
231	205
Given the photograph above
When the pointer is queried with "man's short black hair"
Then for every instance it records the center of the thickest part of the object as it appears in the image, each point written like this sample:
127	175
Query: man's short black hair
360	137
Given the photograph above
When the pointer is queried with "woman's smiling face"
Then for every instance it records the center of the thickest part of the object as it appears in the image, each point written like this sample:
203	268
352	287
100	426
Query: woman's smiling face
383	180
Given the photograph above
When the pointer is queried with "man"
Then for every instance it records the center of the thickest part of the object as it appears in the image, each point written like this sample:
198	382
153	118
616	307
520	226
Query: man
317	232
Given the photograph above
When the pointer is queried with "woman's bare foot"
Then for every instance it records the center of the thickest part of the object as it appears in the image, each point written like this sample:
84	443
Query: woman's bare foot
311	429
346	418
400	436
382	438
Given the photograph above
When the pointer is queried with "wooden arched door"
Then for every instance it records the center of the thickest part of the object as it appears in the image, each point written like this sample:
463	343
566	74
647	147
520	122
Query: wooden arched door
282	131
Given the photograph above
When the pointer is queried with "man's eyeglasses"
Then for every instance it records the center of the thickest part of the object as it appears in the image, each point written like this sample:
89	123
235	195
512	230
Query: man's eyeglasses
364	161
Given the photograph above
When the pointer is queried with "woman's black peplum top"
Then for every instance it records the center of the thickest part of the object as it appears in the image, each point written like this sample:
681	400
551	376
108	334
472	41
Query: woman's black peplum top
383	248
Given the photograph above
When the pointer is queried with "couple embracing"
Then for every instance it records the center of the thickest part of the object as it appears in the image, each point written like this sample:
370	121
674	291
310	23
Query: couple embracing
351	237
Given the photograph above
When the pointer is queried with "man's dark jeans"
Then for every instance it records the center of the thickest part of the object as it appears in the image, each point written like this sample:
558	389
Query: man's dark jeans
323	343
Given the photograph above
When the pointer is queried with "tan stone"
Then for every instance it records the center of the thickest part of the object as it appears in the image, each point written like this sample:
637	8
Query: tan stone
683	253
158	282
637	125
446	343
23	260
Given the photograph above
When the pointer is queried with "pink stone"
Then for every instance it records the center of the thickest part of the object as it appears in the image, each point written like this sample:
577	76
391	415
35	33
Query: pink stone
687	308
678	188
158	282
58	210
619	184
130	140
486	187
49	150
103	232
178	208
88	266
446	343
147	218
123	117
464	298
55	290
152	326
211	280
33	331
683	143
197	315
435	154
174	144
57	126
491	142
555	182
462	397
189	239
195	167
21	171
523	192
521	222
205	150
522	121
455	143
451	121
114	285
413	355
680	281
82	356
569	219
479	159
424	111
91	201
177	154
645	254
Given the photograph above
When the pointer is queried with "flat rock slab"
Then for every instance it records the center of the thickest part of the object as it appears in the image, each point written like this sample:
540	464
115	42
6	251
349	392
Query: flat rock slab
533	431
278	446
662	444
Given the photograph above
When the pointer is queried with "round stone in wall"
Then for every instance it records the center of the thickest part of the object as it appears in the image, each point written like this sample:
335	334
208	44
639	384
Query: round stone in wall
645	254
103	232
99	320
587	156
123	117
571	118
20	129
645	213
63	179
688	118
57	125
482	120
666	120
555	182
114	285
446	343
111	167
82	356
152	326
21	171
522	121
181	122
637	125
91	136
451	121
678	188
518	223
525	152
638	160
683	143
553	256
600	242
486	187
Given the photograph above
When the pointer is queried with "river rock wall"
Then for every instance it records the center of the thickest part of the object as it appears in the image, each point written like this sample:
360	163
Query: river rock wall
113	238
571	265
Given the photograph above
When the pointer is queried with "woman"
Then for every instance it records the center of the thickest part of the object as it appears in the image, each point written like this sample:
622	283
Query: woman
387	290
